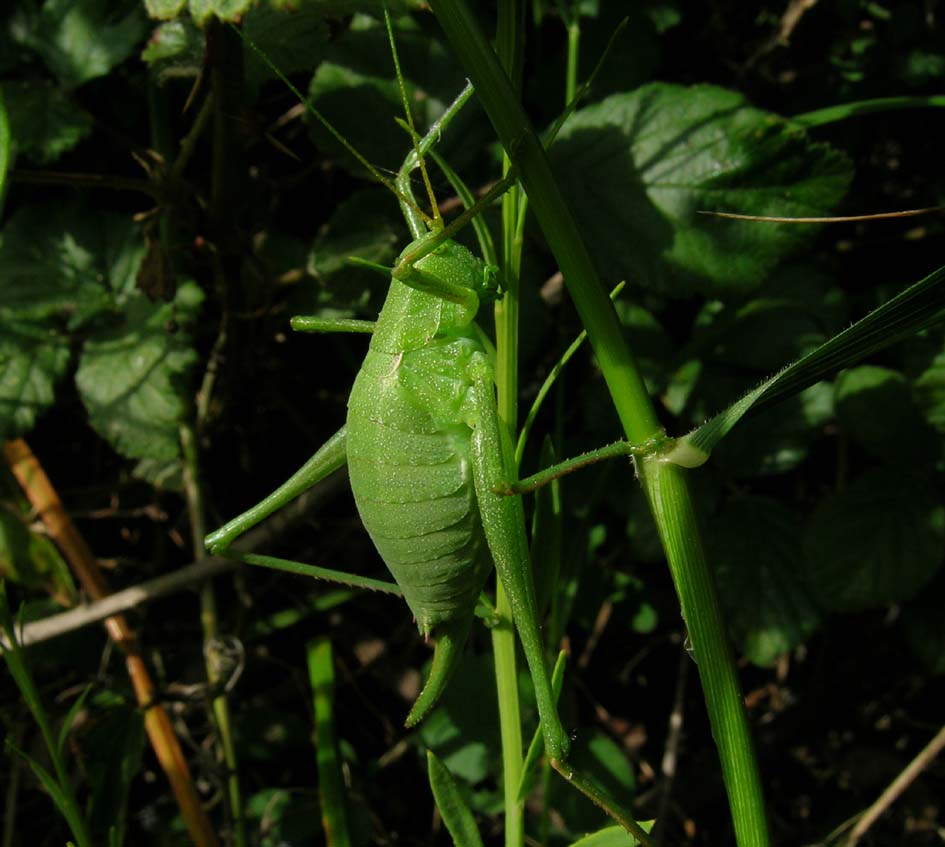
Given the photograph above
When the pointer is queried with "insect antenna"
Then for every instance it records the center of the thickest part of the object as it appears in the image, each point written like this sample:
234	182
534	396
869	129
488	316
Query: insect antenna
408	113
405	199
835	219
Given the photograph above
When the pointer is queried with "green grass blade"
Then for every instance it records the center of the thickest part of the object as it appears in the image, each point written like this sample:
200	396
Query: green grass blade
331	787
610	836
61	795
834	114
60	788
456	815
549	382
919	306
5	143
70	719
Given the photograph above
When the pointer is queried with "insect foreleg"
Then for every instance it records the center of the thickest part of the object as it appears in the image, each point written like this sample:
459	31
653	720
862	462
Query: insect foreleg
329	457
313	323
445	289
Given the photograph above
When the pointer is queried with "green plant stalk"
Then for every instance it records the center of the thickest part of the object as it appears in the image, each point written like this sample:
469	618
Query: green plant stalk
509	39
574	39
668	494
226	77
209	623
666	487
331	790
67	802
844	111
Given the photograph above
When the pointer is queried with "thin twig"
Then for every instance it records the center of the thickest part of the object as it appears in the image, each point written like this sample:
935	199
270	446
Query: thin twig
44	499
600	624
897	786
782	37
79	180
121	601
671	750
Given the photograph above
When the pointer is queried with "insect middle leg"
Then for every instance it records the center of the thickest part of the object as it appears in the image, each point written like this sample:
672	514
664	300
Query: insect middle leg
327	459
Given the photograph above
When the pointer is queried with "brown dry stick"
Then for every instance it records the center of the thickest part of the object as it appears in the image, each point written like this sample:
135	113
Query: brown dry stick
45	501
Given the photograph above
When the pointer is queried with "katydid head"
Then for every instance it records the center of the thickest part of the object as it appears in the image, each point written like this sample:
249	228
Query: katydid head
451	272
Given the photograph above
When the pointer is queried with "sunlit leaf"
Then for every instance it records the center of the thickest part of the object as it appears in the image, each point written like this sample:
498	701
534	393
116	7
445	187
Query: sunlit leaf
80	40
32	560
638	167
44	120
133	378
456	814
929	392
610	836
62	262
32	361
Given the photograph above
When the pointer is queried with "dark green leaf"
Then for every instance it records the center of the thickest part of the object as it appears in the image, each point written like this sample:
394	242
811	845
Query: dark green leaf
44	120
293	40
456	815
547	535
80	40
595	753
929	392
755	547
63	262
876	542
283	817
638	167
362	227
651	344
55	791
356	89
161	473
132	378
874	406
175	49
920	306
33	560
778	439
226	10
610	836
32	360
118	738
763	334
462	734
69	719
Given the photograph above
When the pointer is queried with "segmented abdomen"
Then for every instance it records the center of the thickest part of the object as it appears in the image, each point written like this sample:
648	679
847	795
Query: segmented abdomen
409	465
